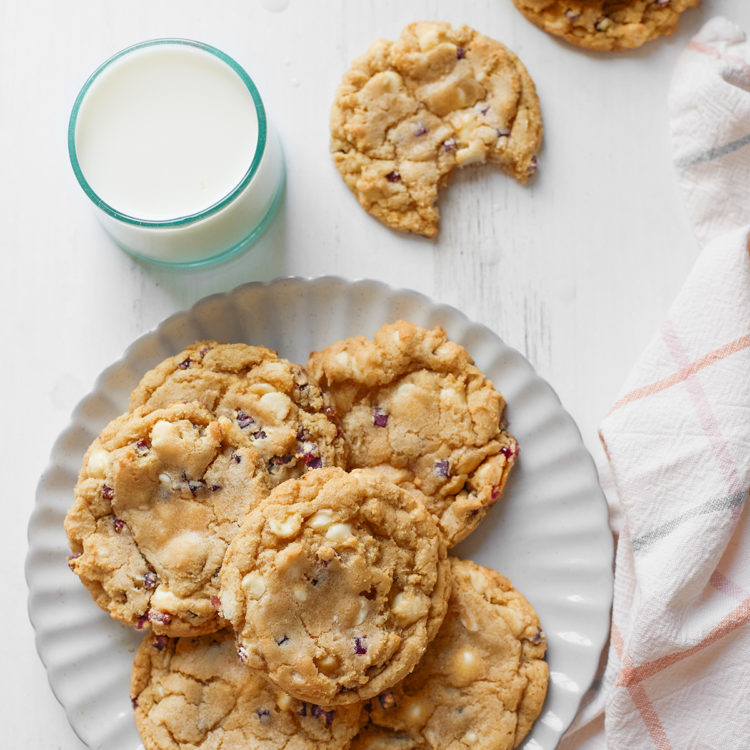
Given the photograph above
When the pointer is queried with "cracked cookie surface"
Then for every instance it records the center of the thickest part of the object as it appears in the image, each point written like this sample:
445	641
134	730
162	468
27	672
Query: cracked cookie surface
414	406
195	694
482	681
158	499
606	24
282	412
335	584
409	112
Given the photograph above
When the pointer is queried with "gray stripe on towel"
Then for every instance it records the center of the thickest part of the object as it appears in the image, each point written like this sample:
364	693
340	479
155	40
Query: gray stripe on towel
716	504
713	153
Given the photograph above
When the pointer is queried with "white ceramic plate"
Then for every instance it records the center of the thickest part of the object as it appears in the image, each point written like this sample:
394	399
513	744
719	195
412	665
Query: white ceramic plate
548	533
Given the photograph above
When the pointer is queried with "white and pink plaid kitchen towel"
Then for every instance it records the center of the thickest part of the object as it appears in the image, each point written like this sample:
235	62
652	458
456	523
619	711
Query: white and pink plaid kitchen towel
678	447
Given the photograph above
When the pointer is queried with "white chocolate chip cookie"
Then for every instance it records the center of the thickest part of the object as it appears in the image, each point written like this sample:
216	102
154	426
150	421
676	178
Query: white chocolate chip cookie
482	681
410	112
195	694
158	499
335	584
606	24
283	414
413	405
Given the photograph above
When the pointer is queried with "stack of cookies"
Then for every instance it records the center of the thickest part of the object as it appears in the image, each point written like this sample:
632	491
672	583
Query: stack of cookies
282	532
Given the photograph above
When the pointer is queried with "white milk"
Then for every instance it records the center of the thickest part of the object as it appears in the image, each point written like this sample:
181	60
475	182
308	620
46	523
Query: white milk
164	132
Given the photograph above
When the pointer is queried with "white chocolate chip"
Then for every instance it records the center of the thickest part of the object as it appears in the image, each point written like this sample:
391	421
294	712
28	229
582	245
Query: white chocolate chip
327	664
348	362
275	368
416	711
165	480
409	608
406	392
164	599
478	581
276	403
428	39
172	440
254	585
466	665
462	122
285	529
557	26
300	593
185	550
469	622
470	737
468	657
391	79
260	389
298	678
162	433
98	464
228	606
321	520
284	701
450	397
363	609
515	623
160	690
472	154
339	532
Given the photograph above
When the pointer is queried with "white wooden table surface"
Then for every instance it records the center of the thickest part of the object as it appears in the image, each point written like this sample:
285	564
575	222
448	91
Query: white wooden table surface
575	270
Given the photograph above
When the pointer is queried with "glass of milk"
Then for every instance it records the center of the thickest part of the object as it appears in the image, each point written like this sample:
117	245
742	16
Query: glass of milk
171	142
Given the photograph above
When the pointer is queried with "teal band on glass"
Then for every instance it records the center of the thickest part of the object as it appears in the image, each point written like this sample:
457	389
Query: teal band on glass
182	220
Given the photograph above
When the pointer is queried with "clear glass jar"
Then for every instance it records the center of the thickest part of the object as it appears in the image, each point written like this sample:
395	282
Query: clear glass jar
148	130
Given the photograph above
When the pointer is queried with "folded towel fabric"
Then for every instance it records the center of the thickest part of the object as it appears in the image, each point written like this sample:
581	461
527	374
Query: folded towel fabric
677	442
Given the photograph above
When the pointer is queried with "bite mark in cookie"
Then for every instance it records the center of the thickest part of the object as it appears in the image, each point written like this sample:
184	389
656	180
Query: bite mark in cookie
410	112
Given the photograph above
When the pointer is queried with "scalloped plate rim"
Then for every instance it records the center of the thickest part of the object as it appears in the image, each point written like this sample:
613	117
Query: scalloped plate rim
306	281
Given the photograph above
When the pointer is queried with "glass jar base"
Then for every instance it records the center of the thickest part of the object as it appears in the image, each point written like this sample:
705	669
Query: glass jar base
223	255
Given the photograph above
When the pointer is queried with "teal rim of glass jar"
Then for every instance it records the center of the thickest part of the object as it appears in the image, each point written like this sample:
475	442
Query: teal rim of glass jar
190	218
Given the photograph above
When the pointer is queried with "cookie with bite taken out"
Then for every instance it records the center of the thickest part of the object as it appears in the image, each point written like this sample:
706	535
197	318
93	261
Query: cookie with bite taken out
410	112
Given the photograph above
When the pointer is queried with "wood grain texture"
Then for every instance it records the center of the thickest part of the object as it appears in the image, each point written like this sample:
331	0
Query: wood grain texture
575	270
